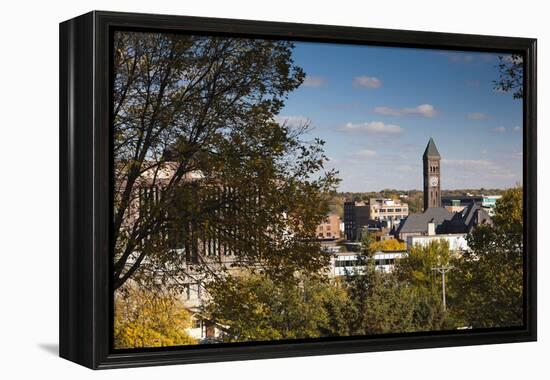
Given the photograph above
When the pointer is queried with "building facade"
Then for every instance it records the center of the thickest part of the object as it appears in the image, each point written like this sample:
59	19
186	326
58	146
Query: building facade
329	229
348	263
456	242
356	216
387	210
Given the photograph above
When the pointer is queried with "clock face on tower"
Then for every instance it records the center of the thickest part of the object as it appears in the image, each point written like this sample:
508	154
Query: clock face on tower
433	181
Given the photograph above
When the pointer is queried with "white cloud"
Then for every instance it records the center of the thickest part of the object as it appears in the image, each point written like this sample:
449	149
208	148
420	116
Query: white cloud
314	81
499	129
517	128
488	57
365	153
344	106
292	121
406	168
458	57
388	111
477	116
366	82
468	163
426	110
478	168
374	127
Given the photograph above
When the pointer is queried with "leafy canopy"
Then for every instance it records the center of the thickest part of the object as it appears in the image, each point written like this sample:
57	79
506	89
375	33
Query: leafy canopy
145	318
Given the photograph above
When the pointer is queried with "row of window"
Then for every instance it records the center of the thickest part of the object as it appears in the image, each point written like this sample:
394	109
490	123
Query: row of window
392	210
393	217
352	263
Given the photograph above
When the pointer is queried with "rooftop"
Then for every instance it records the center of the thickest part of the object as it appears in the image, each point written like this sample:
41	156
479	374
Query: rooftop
431	150
419	222
446	222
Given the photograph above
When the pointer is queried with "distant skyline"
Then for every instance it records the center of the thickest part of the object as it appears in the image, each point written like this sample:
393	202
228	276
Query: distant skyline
377	107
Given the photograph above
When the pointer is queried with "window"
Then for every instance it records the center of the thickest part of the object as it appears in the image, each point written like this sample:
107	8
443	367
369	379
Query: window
187	291
196	323
345	263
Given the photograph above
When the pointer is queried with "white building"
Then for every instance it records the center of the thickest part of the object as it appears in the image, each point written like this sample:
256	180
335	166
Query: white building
457	242
347	263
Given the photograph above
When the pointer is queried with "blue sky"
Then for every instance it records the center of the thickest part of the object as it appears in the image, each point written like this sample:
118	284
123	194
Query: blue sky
377	107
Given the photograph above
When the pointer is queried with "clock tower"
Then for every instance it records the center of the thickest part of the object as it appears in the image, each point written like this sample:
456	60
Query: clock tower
432	175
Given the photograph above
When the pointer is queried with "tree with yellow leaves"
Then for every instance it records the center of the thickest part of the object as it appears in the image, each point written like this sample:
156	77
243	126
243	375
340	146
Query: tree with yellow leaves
387	245
146	318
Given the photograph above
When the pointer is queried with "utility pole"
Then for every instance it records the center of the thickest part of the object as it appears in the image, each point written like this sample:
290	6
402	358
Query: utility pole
443	269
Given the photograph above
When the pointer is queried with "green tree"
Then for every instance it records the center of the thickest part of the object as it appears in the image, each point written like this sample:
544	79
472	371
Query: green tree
254	307
488	279
415	201
148	318
416	272
184	105
380	304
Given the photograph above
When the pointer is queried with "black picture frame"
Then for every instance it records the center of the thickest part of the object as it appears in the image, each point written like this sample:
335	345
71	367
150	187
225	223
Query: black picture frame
85	192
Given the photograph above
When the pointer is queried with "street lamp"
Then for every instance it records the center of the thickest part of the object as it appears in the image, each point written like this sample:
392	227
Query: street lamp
443	269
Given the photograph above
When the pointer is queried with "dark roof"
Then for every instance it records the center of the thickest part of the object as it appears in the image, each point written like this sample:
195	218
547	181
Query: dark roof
445	222
431	150
464	221
419	222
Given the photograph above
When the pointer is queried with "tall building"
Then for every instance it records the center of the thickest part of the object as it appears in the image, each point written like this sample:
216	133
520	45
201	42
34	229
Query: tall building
432	176
356	216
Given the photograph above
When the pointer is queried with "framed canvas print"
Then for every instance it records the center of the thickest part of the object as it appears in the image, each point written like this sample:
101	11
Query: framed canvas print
236	189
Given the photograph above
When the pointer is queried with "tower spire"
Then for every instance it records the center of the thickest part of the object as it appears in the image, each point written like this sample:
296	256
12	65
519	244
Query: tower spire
431	149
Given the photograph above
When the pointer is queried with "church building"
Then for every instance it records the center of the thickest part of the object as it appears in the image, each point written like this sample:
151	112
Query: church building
437	220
